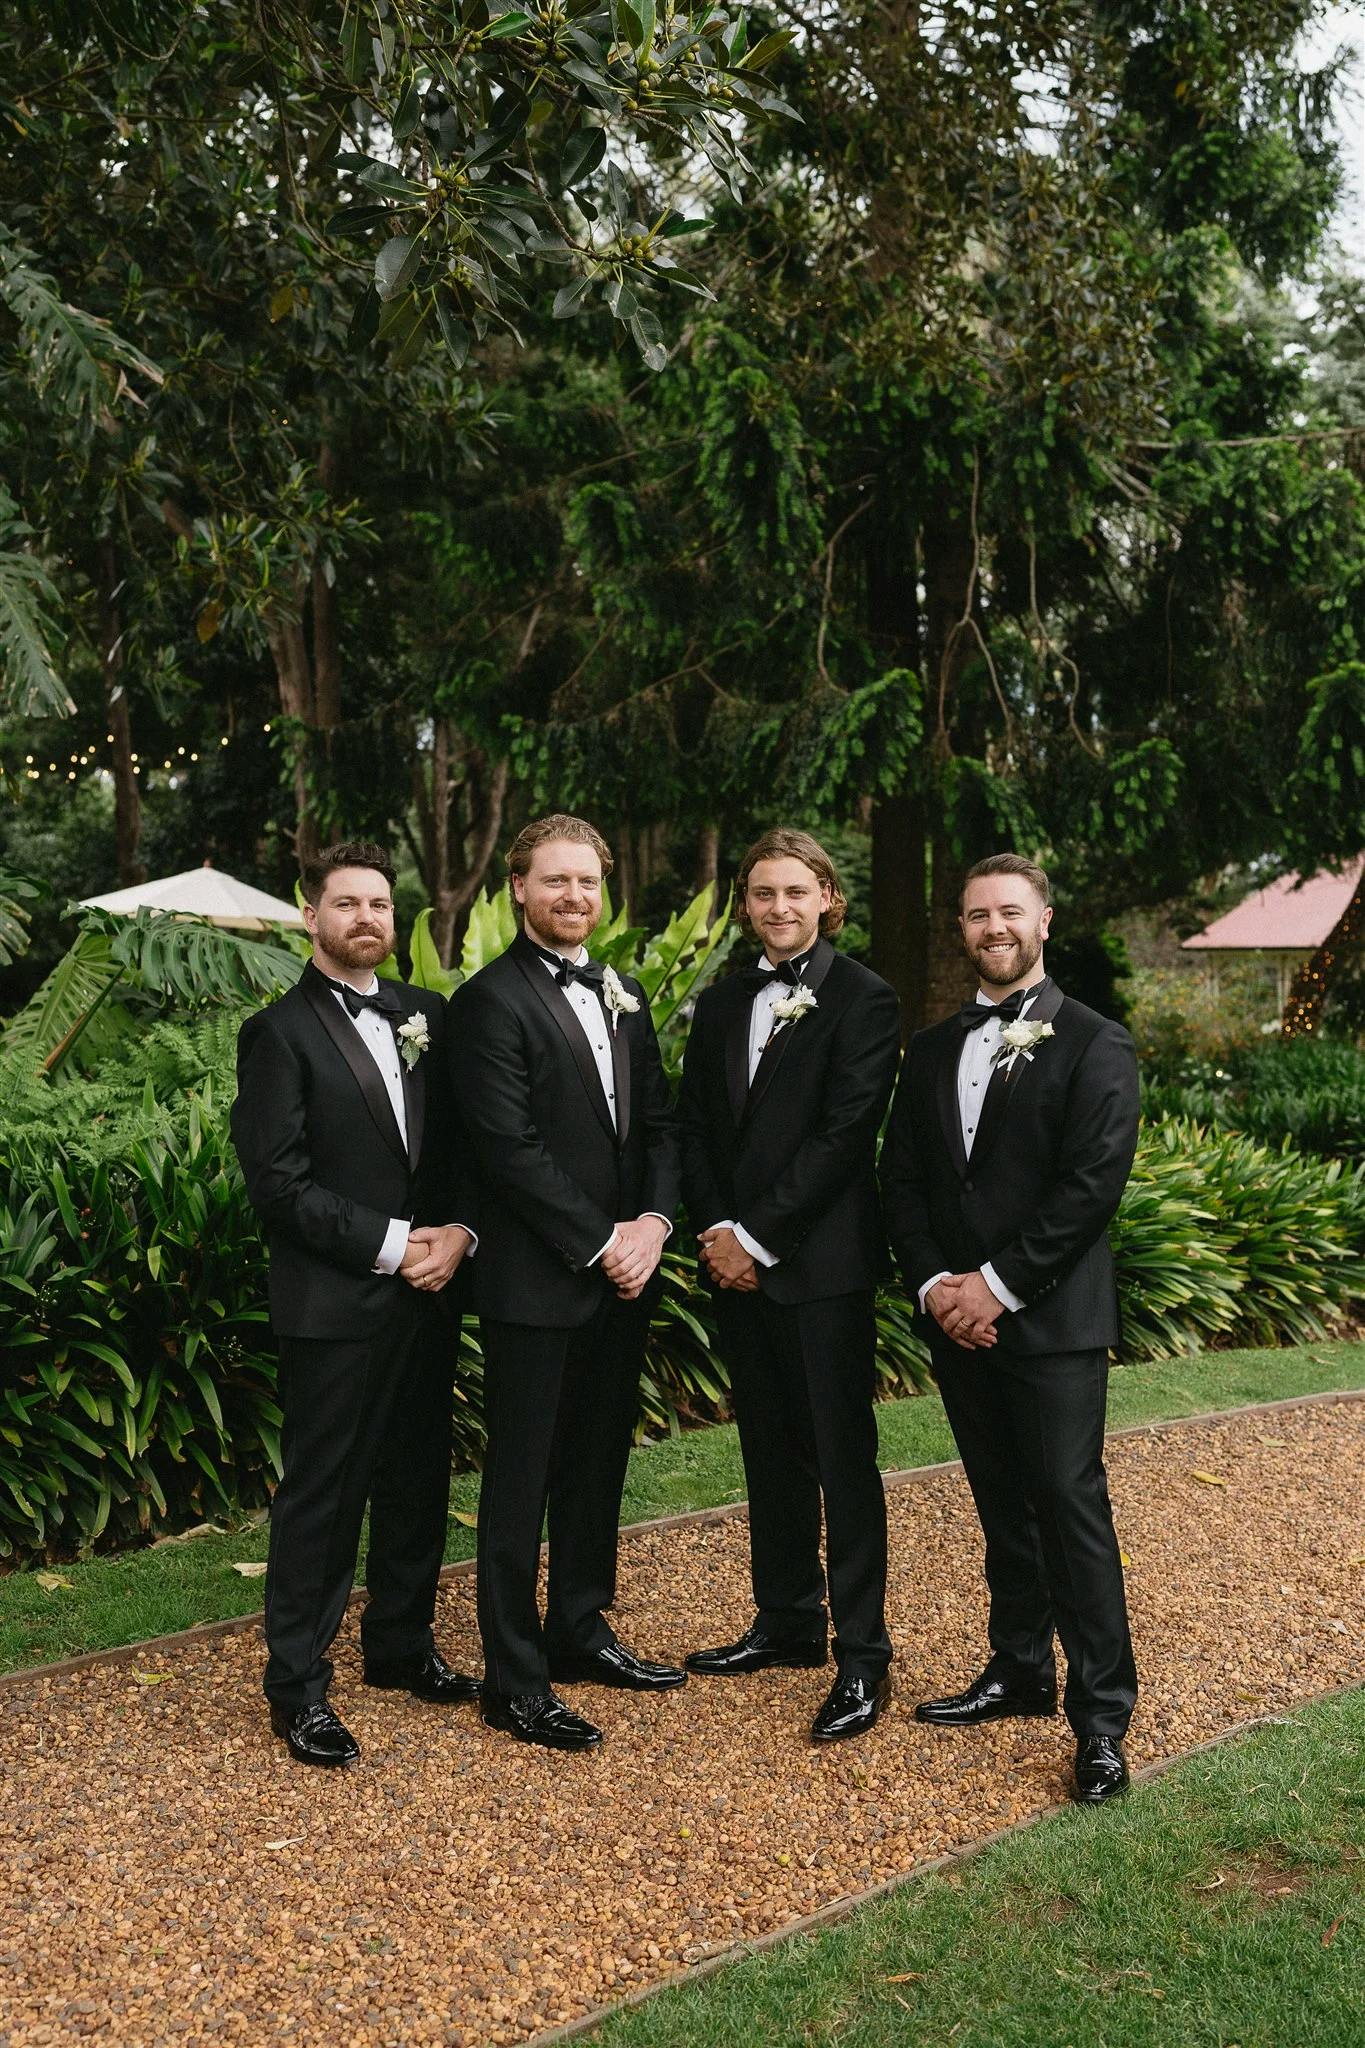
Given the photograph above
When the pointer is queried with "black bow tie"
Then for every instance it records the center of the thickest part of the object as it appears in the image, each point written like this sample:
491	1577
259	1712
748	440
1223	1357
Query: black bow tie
753	979
386	1000
569	971
974	1014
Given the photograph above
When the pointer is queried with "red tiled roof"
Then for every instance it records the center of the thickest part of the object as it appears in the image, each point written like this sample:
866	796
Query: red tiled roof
1283	918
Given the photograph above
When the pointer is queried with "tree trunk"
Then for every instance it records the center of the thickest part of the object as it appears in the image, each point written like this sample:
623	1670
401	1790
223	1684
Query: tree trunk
293	674
899	903
127	798
1311	986
953	726
458	822
898	908
706	860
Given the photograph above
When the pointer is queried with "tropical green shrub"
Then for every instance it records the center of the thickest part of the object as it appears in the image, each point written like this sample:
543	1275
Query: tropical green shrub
1220	1239
138	1374
136	1365
1309	1091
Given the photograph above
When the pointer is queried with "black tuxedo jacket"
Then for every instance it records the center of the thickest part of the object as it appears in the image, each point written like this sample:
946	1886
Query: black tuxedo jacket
555	1176
325	1165
1052	1153
793	1157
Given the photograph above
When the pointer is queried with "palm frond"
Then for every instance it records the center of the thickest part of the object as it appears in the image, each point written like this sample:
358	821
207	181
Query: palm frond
16	891
32	686
76	361
192	961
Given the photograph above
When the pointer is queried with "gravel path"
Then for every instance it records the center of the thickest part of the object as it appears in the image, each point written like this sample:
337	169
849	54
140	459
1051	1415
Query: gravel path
168	1876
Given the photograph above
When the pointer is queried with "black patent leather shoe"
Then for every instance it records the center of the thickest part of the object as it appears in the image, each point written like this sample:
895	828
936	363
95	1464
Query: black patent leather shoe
1101	1770
539	1717
854	1705
614	1664
988	1699
427	1677
757	1651
315	1735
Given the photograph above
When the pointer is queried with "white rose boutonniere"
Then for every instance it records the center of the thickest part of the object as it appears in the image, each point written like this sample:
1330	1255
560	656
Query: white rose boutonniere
792	1007
1020	1037
618	998
413	1039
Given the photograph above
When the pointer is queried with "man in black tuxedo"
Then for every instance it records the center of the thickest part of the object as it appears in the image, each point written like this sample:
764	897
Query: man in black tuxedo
788	1072
563	1095
1010	1142
344	1129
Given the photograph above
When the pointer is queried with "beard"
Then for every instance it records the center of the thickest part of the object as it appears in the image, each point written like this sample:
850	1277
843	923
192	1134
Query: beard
553	928
356	949
1000	969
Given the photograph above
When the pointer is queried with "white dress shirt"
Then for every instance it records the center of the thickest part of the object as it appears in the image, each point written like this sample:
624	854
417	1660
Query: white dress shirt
591	1012
381	1043
975	1065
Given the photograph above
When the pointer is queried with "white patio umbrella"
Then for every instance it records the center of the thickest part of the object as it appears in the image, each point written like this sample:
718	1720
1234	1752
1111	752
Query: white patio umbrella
203	892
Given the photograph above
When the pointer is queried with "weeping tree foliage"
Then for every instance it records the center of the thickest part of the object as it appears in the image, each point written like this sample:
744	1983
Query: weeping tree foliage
1000	502
256	257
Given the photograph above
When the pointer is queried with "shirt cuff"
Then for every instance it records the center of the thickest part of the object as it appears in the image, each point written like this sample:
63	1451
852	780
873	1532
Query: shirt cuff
753	1247
998	1287
659	1217
394	1245
925	1290
605	1249
472	1235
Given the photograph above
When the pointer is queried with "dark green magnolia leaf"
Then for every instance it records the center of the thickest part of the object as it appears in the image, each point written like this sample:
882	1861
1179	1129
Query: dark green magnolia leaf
582	153
739	36
407	350
687	281
384	178
510	24
568	297
356	220
677	225
409	112
621	299
629	28
618	194
654	356
454	333
356	55
323	145
396	264
646	36
763	52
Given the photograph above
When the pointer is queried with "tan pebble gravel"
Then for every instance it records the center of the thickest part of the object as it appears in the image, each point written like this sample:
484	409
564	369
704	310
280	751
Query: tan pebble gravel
168	1876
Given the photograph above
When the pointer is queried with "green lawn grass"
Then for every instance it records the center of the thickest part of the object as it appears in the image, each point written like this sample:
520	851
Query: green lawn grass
135	1594
1222	1906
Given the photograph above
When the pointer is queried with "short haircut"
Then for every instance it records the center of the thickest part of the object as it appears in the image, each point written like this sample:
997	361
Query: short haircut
347	853
784	843
1008	864
559	825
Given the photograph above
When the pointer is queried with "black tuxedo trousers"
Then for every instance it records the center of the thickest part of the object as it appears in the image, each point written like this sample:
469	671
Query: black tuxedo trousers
1031	1434
802	1377
367	1419
560	1409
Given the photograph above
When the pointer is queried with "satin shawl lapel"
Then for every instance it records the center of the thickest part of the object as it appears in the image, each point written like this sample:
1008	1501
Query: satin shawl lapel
337	1025
415	1104
821	960
949	1113
737	1055
1007	1080
548	993
620	1067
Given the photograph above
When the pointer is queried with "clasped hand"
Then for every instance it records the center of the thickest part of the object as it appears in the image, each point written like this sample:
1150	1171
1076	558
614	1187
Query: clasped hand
432	1255
633	1254
965	1309
727	1261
